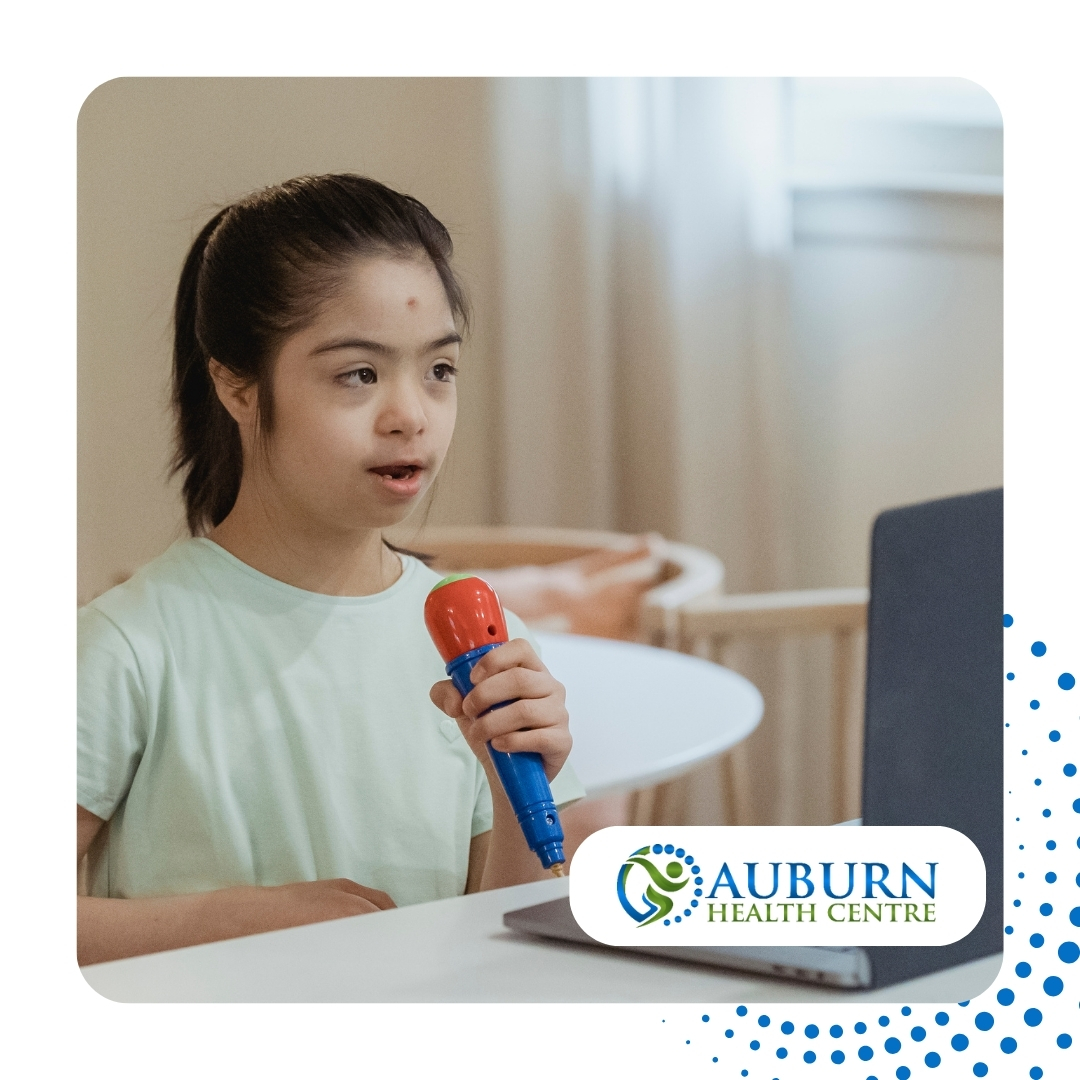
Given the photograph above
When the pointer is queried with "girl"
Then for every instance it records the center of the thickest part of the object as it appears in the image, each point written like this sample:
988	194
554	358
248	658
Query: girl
259	743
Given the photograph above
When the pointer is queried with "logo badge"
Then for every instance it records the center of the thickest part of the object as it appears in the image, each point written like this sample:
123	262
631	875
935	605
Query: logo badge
777	885
660	875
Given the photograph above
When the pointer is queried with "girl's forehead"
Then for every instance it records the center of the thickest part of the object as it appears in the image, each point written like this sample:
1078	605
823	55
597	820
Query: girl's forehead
382	289
392	305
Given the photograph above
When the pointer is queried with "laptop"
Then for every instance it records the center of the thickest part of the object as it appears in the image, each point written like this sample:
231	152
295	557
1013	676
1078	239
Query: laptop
933	734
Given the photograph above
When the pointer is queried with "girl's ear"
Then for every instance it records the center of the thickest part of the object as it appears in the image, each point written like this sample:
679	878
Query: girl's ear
241	399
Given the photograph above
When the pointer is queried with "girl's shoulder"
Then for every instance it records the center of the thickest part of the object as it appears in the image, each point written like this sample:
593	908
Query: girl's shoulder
197	583
191	589
185	566
124	633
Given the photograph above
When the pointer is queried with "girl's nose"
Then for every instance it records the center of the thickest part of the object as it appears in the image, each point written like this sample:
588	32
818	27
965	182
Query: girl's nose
403	411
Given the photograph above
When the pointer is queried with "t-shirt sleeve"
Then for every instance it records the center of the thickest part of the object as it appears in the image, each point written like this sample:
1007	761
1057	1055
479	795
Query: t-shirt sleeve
566	788
112	711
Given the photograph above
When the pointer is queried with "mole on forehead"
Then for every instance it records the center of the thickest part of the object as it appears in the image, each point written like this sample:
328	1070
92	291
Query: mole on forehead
411	301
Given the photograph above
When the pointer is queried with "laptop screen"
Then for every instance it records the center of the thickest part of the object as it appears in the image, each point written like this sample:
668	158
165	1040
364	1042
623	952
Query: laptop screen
934	698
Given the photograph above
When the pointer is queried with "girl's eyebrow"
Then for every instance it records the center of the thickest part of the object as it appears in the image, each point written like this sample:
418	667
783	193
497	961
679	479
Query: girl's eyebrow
380	348
450	339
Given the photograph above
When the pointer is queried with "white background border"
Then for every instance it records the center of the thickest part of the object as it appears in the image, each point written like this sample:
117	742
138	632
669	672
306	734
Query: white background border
1023	54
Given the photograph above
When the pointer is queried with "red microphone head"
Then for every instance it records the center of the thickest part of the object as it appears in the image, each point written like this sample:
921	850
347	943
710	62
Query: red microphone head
463	613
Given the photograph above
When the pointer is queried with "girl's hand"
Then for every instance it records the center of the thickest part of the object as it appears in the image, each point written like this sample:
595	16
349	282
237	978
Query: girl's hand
305	902
112	929
536	722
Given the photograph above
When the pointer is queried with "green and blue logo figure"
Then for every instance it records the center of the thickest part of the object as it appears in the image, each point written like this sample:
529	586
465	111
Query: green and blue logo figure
660	884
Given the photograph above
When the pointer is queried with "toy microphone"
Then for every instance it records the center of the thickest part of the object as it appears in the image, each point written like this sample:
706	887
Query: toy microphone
465	620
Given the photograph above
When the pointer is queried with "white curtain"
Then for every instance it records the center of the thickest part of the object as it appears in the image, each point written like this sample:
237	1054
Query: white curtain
646	229
646	240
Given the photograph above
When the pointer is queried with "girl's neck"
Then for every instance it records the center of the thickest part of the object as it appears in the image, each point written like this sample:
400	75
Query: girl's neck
336	563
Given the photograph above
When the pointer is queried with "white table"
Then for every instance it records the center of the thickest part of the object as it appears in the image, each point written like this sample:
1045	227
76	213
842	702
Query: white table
641	715
459	950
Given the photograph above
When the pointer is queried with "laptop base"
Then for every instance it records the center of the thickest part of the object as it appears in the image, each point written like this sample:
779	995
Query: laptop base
840	966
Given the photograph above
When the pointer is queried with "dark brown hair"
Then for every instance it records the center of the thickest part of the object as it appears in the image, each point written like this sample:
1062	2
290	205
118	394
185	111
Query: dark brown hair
258	272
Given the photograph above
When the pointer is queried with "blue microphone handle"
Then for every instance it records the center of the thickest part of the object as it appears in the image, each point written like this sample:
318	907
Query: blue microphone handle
522	776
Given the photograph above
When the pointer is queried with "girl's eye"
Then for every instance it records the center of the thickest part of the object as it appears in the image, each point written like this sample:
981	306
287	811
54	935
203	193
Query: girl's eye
444	372
360	377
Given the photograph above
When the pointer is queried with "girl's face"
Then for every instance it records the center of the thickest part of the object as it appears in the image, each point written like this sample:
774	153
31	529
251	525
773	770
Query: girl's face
365	399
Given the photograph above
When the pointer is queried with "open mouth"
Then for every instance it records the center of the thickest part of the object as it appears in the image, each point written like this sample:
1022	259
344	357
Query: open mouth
396	472
401	478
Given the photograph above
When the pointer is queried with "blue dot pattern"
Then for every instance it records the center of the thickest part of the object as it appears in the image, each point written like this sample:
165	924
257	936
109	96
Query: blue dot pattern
1026	1023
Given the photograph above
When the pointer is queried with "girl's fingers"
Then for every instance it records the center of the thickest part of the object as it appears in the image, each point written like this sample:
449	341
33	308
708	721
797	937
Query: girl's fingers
546	741
507	685
374	896
525	715
444	696
516	653
535	721
553	744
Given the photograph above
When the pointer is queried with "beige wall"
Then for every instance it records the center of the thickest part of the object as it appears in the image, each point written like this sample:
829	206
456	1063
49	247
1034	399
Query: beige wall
898	367
156	158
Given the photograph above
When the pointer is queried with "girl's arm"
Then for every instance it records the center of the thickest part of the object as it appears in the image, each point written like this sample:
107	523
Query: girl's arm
509	860
110	929
536	721
500	856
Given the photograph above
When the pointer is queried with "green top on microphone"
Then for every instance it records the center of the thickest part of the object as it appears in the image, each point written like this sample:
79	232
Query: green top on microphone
450	578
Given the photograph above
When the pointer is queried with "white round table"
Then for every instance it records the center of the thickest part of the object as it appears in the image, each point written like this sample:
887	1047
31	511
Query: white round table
641	715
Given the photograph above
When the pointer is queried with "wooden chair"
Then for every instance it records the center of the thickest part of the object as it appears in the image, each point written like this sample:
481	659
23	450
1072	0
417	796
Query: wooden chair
710	626
646	575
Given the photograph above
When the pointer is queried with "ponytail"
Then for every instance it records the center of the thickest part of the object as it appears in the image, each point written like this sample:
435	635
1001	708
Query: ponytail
256	273
208	447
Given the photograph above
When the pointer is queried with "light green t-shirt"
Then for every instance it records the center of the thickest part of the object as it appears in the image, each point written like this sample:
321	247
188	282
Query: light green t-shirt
237	730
